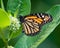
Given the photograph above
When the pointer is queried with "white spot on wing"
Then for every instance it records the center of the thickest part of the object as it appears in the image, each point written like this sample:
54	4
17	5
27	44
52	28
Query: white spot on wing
42	16
44	19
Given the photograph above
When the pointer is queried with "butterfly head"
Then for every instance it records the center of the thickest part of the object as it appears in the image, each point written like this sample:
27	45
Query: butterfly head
21	19
47	18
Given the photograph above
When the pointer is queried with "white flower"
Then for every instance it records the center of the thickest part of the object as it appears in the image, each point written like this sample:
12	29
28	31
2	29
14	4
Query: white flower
15	24
10	47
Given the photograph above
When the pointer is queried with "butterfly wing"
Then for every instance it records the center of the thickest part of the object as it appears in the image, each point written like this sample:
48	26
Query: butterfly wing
31	25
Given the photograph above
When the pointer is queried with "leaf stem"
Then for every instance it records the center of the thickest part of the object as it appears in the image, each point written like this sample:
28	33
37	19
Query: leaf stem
16	13
10	36
2	5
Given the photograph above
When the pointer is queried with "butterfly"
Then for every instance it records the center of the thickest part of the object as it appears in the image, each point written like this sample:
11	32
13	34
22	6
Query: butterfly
32	23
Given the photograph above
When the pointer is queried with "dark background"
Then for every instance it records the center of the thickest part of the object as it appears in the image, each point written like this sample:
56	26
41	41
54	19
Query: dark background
53	41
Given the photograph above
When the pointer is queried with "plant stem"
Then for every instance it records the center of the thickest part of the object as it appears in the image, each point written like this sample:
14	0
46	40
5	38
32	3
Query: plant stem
6	44
3	38
5	41
2	5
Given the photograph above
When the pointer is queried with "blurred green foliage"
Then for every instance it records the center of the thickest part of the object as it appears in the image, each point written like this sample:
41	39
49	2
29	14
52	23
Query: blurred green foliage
43	5
21	7
53	41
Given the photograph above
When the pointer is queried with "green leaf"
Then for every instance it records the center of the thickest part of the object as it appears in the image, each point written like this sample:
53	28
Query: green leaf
4	19
34	41
22	7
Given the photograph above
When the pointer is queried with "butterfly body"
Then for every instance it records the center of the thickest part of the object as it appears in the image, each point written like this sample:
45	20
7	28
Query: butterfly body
32	23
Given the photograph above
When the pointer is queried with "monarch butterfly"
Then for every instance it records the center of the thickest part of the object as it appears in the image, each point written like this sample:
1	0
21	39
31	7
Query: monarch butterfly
32	23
